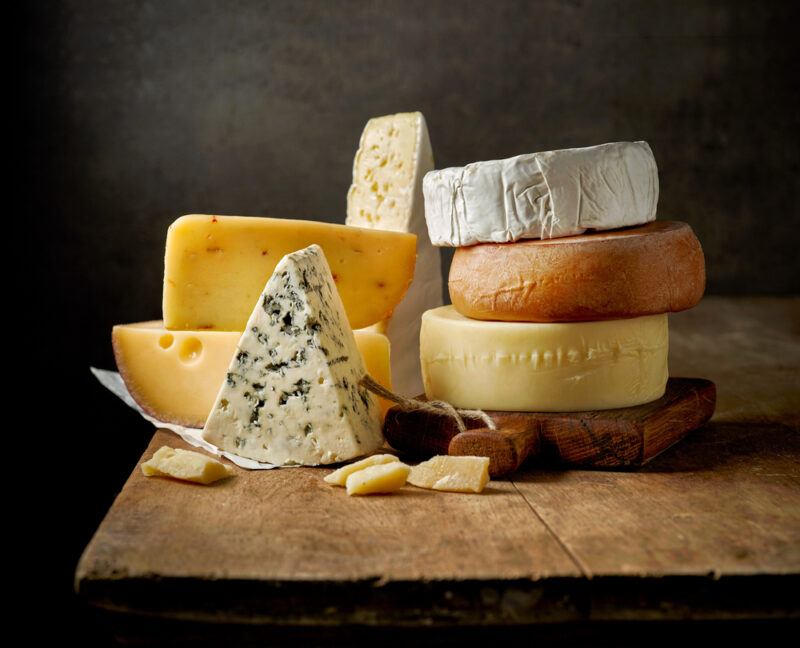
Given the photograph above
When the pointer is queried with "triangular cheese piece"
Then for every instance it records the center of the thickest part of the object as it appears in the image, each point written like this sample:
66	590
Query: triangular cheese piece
393	156
292	393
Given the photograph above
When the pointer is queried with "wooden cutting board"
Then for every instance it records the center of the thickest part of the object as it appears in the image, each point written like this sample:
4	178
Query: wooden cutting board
620	438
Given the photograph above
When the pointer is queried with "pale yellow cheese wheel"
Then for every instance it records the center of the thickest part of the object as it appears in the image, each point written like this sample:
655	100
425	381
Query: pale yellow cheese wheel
543	367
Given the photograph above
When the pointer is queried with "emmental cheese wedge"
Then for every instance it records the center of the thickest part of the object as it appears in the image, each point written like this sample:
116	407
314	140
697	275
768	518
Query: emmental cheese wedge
534	367
655	268
185	465
393	156
292	394
216	267
175	376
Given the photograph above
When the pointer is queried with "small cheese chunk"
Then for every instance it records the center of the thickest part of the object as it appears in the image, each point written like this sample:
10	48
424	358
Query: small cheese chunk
292	393
383	478
175	376
216	266
339	477
542	195
393	156
455	474
185	465
543	367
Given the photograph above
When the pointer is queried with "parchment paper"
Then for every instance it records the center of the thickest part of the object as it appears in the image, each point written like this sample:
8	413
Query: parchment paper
112	381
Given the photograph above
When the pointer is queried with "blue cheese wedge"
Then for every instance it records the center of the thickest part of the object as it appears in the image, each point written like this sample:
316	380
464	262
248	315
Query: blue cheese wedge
292	394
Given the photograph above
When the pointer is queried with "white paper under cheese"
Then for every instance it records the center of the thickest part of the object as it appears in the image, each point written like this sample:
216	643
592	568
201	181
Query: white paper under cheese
542	195
291	395
394	155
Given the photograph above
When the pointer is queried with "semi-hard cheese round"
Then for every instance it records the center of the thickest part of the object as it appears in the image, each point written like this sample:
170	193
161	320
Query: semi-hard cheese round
543	367
655	268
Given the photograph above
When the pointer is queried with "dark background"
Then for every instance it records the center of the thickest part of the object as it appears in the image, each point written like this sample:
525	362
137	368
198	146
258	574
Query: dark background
134	113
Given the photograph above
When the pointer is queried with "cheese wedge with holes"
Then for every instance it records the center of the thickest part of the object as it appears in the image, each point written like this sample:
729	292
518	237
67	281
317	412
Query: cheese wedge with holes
454	474
216	267
393	156
542	195
185	465
175	376
543	367
292	394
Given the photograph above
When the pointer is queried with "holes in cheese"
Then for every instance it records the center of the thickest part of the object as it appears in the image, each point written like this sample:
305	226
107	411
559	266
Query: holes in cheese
216	267
185	465
171	390
455	474
543	367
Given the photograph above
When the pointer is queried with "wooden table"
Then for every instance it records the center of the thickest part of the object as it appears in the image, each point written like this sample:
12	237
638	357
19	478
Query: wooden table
708	530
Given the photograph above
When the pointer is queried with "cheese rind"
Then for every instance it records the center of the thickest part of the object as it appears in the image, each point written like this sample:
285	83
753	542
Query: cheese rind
462	474
339	477
185	465
383	478
655	268
393	156
216	266
535	367
292	392
542	195
175	376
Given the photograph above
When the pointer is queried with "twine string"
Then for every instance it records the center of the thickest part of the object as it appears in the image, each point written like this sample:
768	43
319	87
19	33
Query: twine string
440	408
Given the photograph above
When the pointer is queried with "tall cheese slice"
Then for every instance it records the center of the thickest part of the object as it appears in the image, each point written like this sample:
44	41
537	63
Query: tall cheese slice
392	158
175	376
216	266
292	393
542	195
534	367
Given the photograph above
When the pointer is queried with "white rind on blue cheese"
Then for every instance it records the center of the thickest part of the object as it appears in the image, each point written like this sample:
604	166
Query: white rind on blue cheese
542	195
292	394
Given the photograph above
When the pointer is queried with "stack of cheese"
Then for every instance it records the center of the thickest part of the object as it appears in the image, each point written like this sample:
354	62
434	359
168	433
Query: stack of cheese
277	365
560	284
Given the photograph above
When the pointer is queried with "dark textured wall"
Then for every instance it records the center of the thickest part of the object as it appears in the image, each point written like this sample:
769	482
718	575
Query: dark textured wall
137	112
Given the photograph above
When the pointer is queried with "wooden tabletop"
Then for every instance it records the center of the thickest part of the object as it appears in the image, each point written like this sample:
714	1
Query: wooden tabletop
710	529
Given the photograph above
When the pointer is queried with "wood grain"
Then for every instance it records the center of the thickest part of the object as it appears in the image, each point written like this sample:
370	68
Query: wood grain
618	438
710	529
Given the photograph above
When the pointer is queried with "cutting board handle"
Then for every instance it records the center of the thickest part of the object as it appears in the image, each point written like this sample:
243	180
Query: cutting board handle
507	447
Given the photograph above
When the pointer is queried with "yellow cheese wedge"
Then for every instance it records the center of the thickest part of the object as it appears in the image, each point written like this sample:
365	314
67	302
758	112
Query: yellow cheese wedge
383	478
543	367
217	266
339	477
185	465
454	474
175	375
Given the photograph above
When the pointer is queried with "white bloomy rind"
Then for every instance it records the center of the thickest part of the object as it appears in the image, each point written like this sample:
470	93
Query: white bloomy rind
542	195
292	394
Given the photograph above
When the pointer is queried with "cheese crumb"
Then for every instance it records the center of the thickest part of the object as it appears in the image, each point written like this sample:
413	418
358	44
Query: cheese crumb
382	478
339	477
185	465
454	474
